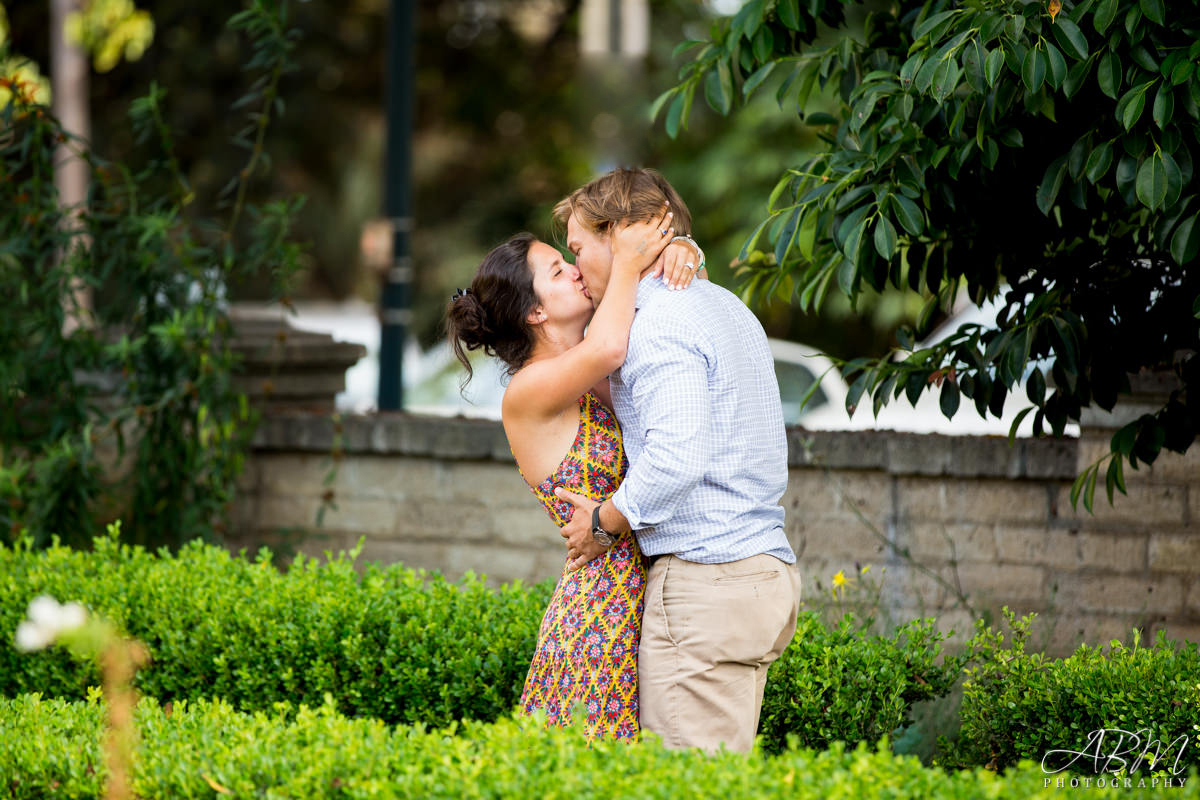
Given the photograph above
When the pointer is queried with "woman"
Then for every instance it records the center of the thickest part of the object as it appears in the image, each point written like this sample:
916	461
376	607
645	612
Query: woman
530	308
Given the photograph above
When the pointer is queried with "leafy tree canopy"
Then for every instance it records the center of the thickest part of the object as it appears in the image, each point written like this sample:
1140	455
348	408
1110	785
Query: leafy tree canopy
1038	151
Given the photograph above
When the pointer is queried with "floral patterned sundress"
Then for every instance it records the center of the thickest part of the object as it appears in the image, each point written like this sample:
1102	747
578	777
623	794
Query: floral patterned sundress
588	642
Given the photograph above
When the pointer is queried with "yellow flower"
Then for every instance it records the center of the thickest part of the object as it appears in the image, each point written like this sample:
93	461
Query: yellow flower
839	580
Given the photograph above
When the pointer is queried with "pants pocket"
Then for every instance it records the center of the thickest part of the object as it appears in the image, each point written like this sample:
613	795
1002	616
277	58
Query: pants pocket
749	577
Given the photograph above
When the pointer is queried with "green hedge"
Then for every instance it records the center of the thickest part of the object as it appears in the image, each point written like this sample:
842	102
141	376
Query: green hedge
837	685
1020	705
199	749
397	645
392	644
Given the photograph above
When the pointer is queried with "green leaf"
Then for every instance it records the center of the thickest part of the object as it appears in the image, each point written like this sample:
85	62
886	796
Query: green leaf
855	392
950	398
1131	105
684	46
1124	439
1182	72
718	88
1016	423
932	22
1152	182
747	20
993	65
845	277
764	44
945	79
1106	12
1070	37
1098	162
1164	106
820	118
674	113
1035	387
1058	66
1033	69
1078	487
757	78
789	13
1089	495
908	214
1114	478
1155	10
806	235
910	69
661	101
1186	241
1016	26
924	76
1076	77
1052	182
926	316
1109	74
1132	19
787	235
885	237
853	243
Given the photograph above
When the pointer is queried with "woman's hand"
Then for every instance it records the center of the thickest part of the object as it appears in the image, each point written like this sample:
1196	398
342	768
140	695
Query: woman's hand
679	264
637	245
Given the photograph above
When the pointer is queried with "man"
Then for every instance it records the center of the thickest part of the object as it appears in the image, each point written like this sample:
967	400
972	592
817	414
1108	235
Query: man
702	423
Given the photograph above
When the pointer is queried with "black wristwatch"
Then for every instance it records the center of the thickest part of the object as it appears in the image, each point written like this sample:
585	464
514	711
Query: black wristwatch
602	537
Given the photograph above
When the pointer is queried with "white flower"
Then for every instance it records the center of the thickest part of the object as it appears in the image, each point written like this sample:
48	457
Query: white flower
30	637
48	619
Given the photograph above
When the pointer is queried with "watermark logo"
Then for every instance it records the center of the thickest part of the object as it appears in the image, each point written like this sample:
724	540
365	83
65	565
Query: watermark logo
1116	756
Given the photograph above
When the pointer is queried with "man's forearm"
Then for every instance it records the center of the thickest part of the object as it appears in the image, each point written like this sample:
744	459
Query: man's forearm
611	518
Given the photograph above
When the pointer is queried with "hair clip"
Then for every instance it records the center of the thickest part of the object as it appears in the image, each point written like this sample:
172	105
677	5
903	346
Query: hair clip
459	293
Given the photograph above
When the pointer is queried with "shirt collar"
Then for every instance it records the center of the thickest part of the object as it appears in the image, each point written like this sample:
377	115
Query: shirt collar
647	288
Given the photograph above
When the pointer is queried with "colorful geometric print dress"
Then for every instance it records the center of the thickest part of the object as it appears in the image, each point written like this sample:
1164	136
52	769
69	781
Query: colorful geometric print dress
588	642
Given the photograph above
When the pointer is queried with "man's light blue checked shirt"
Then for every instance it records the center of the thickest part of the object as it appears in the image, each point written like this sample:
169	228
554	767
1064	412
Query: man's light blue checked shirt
702	423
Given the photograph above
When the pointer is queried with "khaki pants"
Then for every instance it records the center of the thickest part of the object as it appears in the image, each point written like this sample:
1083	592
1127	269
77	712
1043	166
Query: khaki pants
708	635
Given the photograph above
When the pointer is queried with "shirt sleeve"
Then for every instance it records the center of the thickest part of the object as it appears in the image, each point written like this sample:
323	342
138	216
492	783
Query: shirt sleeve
667	380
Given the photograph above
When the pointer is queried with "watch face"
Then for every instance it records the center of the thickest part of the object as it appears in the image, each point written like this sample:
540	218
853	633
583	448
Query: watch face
603	538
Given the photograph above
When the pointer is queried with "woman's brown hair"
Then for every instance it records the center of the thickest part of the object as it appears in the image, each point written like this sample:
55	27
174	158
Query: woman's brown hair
493	313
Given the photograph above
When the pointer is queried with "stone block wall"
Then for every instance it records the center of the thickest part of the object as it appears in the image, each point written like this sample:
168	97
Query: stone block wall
949	527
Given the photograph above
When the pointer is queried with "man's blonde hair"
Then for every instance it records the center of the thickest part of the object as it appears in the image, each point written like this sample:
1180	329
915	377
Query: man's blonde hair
623	194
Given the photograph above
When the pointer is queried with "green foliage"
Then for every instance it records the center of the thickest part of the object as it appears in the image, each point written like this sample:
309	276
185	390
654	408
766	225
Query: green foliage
1020	705
148	369
838	685
392	643
400	645
206	749
989	145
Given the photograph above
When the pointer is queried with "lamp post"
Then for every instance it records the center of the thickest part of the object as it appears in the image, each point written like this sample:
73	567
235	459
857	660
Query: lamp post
395	302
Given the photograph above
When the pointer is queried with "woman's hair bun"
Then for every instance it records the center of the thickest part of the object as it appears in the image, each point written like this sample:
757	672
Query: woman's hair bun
491	314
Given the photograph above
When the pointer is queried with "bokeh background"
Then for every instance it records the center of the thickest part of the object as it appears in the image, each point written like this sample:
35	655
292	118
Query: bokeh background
510	116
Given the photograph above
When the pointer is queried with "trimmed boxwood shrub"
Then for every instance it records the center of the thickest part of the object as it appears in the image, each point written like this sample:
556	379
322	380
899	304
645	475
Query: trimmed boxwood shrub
398	645
837	685
1019	705
207	750
393	643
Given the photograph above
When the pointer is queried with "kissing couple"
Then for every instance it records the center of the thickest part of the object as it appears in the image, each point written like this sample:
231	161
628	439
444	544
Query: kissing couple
644	413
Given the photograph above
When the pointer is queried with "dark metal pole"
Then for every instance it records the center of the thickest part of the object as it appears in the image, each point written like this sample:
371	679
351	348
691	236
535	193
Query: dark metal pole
395	303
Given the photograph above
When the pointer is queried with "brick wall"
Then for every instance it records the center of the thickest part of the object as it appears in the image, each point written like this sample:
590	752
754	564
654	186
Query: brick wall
949	526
